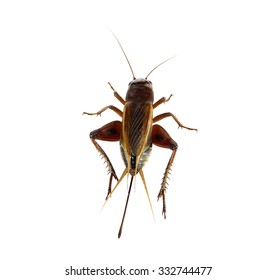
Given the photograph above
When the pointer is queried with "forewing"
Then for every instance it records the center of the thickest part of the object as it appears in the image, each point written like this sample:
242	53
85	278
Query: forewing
136	130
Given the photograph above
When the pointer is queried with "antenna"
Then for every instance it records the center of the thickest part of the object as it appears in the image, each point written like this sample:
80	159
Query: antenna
159	65
124	55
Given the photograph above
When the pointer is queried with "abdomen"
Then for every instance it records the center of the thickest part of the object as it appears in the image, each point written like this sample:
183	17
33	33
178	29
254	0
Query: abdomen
136	135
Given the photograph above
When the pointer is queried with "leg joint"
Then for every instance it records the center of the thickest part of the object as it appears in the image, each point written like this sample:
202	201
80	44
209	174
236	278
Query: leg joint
174	146
93	134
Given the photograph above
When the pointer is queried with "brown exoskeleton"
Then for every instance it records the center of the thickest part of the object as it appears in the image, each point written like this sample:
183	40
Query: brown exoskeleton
136	134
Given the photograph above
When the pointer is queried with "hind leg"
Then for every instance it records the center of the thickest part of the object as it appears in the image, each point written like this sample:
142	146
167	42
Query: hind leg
108	132
161	138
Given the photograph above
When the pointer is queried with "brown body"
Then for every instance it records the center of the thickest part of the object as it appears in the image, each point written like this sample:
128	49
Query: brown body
136	134
136	131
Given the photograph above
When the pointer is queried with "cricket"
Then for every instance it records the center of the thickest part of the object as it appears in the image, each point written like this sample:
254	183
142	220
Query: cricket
137	133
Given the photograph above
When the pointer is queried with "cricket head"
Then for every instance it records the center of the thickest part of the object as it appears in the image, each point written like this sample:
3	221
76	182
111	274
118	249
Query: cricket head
140	91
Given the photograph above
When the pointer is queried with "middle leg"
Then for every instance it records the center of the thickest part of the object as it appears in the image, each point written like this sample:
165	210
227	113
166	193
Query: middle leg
111	107
165	115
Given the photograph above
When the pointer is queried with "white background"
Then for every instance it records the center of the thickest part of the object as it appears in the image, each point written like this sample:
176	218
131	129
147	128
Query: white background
56	58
